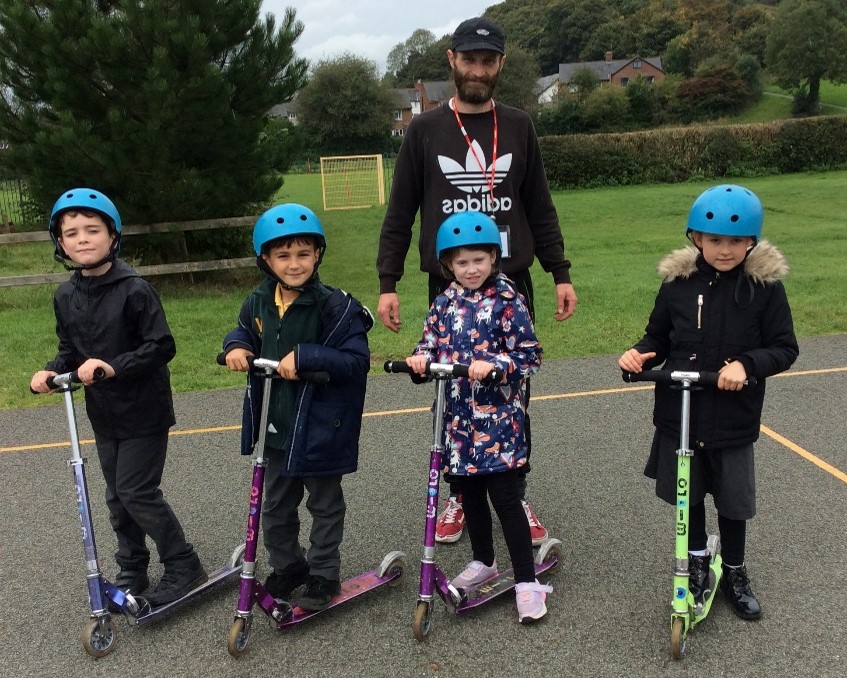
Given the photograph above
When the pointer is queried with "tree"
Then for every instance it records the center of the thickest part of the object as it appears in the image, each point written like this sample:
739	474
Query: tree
158	104
345	108
417	43
805	46
517	84
430	64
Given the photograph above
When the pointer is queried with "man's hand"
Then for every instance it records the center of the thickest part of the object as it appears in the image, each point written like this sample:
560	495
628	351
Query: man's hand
388	311
565	301
86	371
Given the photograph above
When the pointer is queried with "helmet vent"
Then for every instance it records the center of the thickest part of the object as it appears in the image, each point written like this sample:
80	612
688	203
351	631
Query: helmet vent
478	228
280	220
303	217
733	218
710	215
456	231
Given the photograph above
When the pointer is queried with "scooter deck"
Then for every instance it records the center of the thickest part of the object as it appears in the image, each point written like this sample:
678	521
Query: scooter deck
497	585
148	615
352	588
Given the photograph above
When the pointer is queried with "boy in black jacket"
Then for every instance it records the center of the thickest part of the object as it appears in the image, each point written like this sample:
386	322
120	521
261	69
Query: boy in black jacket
109	318
313	431
721	308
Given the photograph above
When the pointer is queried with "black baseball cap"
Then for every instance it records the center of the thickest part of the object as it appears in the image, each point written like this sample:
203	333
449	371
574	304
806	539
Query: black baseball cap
478	33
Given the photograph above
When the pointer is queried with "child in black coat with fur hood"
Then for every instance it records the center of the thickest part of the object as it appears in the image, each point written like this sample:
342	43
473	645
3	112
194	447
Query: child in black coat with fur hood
721	308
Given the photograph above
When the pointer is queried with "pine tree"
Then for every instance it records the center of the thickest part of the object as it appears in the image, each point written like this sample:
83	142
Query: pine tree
158	103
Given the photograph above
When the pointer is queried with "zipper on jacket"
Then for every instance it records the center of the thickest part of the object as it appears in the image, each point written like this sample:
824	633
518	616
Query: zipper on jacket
699	310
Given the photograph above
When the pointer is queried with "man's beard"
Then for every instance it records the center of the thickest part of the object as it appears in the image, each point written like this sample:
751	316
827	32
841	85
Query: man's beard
475	90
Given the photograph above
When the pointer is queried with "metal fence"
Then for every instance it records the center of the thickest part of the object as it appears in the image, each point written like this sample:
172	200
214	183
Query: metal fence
11	205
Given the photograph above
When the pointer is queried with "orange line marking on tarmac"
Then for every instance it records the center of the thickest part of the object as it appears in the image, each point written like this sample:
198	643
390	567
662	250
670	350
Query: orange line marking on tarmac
416	410
808	456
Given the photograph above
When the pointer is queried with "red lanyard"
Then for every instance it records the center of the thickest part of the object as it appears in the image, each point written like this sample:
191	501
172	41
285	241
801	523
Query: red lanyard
488	179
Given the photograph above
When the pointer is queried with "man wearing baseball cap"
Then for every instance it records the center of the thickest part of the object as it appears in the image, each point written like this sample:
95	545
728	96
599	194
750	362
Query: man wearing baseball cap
471	154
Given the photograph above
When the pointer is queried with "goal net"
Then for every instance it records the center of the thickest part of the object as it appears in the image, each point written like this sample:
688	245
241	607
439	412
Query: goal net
352	181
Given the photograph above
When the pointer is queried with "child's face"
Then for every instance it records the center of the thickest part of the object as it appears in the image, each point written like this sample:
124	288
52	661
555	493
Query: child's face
472	267
723	252
293	263
86	240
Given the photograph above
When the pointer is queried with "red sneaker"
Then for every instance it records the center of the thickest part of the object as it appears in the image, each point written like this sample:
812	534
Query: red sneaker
451	522
536	530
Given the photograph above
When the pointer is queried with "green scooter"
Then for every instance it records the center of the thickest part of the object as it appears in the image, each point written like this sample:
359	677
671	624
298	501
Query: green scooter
686	610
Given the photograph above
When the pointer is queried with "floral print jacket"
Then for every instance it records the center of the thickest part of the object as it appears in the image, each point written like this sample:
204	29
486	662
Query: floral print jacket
484	425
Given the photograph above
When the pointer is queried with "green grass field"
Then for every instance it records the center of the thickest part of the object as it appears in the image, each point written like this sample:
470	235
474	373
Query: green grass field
614	236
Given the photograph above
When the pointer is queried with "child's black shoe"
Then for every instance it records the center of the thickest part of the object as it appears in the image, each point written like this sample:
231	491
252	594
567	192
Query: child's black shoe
177	582
698	575
736	585
133	582
282	584
319	593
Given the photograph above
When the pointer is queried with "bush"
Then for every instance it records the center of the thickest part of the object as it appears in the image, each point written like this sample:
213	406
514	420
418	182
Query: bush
680	154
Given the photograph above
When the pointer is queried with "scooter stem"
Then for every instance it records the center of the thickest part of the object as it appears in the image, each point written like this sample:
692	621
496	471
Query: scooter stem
683	483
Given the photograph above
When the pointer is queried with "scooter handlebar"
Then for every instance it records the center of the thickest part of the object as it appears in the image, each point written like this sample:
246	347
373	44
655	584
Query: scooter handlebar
265	366
670	376
68	378
442	370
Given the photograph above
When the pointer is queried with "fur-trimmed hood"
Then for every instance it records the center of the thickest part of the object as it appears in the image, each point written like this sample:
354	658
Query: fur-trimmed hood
765	264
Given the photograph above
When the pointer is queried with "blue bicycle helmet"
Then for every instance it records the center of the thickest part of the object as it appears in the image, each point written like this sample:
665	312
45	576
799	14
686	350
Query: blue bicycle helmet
84	199
467	229
726	210
286	220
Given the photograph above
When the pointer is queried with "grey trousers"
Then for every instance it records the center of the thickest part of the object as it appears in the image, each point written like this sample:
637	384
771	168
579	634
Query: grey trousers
281	519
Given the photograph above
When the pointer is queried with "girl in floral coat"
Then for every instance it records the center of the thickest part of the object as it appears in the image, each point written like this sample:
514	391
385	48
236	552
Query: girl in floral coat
481	321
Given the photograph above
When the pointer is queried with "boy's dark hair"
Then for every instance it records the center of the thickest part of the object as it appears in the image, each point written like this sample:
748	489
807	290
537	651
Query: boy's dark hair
74	211
286	240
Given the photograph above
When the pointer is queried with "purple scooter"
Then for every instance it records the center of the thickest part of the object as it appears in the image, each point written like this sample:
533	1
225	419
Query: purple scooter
99	633
251	592
433	579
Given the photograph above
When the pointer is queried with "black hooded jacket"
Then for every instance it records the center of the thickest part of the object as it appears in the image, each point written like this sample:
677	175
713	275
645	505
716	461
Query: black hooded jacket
118	318
703	318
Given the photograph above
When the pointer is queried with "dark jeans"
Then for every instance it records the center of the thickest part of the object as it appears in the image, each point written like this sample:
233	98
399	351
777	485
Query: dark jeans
523	283
281	519
502	489
137	508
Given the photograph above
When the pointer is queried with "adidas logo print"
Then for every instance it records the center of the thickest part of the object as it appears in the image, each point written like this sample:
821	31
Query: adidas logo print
470	179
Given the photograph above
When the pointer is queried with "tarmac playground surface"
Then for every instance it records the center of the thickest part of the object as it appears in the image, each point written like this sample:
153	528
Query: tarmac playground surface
609	613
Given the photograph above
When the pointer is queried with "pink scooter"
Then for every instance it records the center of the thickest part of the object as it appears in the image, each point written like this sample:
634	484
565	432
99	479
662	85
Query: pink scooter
433	579
252	592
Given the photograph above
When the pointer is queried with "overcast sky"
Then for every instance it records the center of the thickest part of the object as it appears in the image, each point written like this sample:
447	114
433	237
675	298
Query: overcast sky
370	28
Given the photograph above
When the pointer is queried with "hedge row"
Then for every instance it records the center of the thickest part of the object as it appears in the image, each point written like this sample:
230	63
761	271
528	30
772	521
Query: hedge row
680	154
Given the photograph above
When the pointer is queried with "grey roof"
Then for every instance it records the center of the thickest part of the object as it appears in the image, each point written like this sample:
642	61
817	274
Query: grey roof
438	90
284	110
544	82
603	69
403	98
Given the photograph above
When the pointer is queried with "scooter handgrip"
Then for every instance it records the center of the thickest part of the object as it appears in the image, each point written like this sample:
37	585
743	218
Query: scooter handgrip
318	378
493	377
58	380
397	366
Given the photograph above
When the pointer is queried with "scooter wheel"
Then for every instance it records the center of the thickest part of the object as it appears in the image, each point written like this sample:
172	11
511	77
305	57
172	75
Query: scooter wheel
398	567
236	641
550	550
677	638
98	638
237	557
422	623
